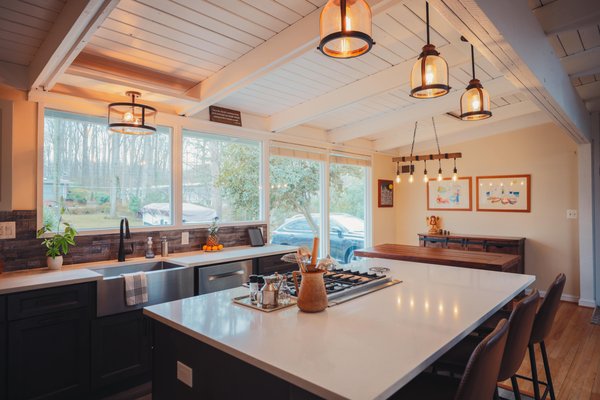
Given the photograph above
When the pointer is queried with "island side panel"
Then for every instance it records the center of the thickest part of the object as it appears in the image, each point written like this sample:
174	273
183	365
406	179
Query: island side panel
215	374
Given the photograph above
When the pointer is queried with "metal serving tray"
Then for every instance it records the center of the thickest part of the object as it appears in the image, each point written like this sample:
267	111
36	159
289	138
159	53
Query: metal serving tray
245	301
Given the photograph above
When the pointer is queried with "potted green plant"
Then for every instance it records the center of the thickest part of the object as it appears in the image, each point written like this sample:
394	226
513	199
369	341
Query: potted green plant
58	244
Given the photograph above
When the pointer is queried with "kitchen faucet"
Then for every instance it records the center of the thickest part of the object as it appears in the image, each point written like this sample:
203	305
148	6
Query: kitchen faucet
126	235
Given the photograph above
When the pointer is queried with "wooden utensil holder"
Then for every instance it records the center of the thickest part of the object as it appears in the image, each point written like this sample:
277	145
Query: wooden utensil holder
312	296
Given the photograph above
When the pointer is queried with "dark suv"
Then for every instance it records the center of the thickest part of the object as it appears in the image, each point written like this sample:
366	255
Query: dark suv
347	233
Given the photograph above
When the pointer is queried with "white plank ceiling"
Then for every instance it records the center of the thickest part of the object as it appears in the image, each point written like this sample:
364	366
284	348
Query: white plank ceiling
172	49
23	27
579	50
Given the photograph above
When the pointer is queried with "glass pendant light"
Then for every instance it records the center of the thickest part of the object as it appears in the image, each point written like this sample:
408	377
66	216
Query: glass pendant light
398	179
475	102
425	177
455	172
132	118
429	77
346	29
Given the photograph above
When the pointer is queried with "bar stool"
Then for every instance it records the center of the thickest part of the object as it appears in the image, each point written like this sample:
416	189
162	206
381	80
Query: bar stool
478	381
520	327
541	328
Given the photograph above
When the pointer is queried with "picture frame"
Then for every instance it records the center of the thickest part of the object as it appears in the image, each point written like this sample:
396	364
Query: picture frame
385	193
504	193
449	195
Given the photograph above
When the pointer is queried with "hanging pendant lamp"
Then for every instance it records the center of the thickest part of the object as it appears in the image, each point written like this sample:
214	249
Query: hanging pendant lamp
429	77
475	102
346	27
132	118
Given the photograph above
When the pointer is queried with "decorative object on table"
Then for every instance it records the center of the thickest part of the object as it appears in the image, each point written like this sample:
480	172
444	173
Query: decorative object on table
475	101
385	193
58	244
345	27
504	193
327	264
425	157
131	118
256	237
212	242
429	76
312	296
269	294
433	223
450	195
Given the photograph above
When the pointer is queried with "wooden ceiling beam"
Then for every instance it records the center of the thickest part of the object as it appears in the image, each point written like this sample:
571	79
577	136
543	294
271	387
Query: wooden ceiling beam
567	15
421	109
581	64
289	44
589	91
71	31
510	37
505	118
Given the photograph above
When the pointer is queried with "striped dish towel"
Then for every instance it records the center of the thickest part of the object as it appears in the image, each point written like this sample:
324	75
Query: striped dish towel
136	288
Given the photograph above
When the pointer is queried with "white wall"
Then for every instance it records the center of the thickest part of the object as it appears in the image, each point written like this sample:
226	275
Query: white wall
552	244
383	226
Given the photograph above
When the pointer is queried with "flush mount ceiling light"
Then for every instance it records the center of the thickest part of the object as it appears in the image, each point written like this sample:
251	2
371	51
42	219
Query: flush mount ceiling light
426	157
132	118
429	77
345	27
475	102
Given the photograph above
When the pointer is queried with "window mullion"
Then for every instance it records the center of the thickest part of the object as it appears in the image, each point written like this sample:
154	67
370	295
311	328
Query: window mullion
177	179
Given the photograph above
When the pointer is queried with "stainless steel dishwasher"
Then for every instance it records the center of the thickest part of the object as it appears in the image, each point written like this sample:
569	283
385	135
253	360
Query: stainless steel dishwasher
223	276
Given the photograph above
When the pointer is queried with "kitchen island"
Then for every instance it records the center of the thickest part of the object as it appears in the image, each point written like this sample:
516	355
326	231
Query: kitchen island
366	348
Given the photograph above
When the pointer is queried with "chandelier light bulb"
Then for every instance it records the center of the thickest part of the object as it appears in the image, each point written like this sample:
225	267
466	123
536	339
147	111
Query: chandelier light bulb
439	177
425	178
455	175
411	178
398	180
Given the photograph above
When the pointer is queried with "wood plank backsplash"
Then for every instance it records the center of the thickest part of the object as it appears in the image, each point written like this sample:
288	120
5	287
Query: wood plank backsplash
26	252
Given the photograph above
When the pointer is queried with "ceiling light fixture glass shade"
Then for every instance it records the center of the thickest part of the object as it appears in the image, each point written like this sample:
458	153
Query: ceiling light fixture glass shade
429	76
346	28
475	101
132	118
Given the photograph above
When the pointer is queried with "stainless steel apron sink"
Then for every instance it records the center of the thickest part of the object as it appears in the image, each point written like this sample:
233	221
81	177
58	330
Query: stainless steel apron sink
166	282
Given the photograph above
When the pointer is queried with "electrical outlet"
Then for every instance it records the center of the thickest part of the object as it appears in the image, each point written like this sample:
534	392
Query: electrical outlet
571	214
8	230
184	374
185	238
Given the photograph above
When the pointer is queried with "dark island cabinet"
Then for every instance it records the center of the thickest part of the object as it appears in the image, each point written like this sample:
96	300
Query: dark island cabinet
48	343
121	348
3	348
270	264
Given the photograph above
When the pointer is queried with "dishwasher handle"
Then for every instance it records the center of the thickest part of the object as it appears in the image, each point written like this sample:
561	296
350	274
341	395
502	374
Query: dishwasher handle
225	275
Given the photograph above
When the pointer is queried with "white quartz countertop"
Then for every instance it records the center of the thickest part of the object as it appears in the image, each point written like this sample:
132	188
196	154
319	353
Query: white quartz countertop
366	348
39	278
229	254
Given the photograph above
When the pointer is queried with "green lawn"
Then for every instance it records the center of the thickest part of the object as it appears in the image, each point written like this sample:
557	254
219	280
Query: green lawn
99	221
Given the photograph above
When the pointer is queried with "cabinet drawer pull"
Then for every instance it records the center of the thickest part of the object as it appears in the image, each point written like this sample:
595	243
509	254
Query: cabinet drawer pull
225	275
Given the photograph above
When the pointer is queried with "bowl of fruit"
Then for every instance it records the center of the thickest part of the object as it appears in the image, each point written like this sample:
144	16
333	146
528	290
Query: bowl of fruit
212	242
218	247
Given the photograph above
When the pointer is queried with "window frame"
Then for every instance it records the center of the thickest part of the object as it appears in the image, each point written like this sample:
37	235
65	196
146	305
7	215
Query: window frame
177	124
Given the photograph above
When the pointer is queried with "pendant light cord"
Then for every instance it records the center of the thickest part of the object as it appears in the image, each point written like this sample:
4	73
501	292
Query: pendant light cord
412	146
427	19
473	61
437	142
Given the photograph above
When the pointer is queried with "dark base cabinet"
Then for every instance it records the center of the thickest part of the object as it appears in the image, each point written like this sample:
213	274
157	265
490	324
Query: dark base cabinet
3	348
48	356
270	264
215	374
121	348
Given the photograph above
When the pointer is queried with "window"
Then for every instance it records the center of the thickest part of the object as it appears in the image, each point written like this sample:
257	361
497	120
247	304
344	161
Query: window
347	206
221	177
99	176
295	203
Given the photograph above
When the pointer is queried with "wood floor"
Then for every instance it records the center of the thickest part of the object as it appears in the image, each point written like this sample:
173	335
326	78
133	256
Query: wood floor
574	352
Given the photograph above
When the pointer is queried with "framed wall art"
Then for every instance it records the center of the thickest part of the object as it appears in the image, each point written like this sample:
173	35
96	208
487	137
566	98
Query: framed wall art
510	193
449	195
385	193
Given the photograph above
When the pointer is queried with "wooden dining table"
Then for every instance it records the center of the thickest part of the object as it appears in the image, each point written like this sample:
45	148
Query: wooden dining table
431	255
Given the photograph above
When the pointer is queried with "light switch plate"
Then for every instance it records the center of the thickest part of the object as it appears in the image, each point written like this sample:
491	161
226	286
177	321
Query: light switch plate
8	230
184	374
185	238
571	214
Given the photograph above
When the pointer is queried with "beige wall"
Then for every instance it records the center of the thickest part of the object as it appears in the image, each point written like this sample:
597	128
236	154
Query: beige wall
22	154
383	226
551	159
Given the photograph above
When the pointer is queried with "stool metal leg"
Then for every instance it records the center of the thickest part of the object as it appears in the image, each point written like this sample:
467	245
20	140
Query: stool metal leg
547	370
515	385
534	375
